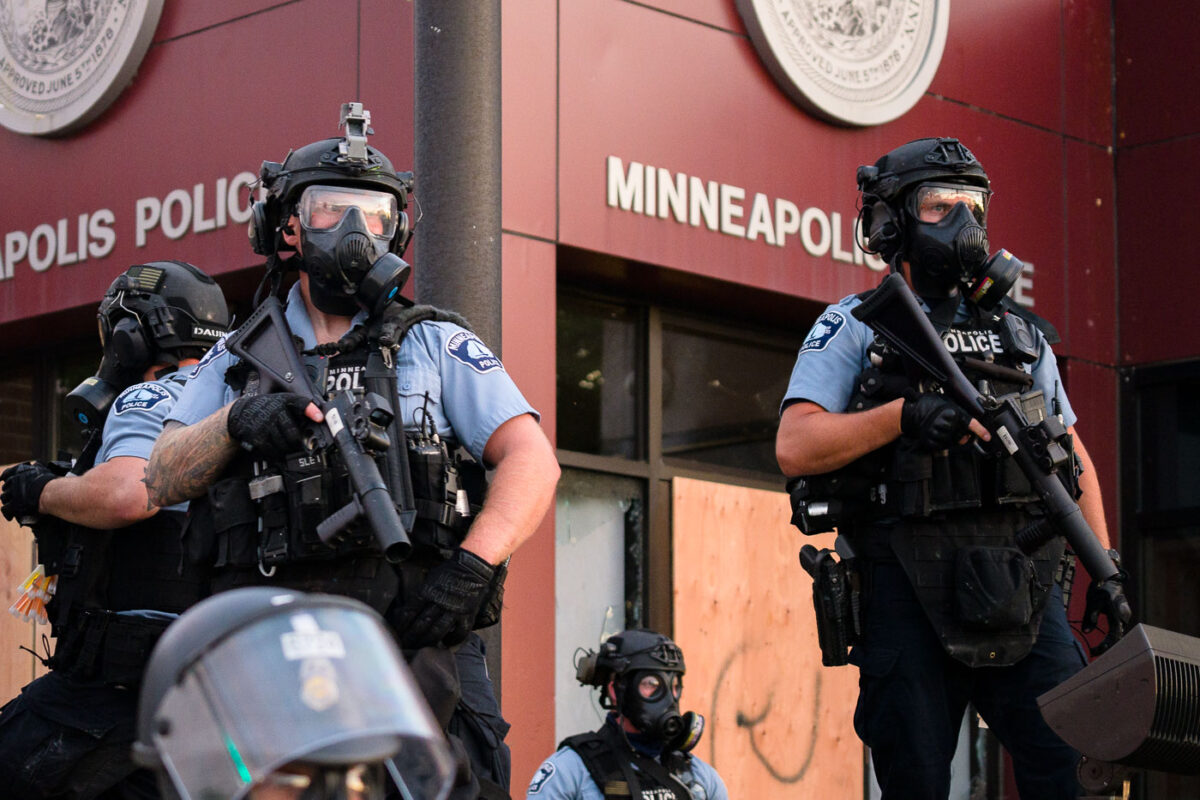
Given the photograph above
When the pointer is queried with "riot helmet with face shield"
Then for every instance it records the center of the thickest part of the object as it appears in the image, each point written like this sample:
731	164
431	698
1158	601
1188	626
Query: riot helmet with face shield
161	312
351	203
646	672
262	692
926	203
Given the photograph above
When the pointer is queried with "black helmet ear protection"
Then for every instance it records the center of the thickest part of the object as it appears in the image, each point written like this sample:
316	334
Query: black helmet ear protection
880	232
878	224
265	214
127	342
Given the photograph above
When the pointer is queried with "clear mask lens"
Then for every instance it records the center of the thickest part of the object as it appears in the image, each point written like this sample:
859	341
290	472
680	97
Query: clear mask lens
650	687
323	208
932	202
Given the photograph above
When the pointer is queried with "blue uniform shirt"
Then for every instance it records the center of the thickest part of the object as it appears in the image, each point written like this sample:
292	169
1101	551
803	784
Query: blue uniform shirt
470	393
835	352
563	776
136	419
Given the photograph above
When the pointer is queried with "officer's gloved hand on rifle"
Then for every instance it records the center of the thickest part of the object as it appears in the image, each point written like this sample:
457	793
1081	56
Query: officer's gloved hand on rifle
445	610
22	493
270	425
1107	597
933	420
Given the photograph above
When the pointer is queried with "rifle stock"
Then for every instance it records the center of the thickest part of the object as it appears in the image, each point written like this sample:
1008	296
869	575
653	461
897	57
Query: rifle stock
893	313
264	341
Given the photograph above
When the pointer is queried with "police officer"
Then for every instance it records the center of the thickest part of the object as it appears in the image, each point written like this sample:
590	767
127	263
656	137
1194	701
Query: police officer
114	555
958	565
643	750
338	204
278	695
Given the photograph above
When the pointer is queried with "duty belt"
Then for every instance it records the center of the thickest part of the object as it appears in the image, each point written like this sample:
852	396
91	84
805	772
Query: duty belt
109	647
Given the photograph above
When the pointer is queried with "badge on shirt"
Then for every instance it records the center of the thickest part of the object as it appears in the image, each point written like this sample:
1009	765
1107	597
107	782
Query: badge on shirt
544	773
827	326
217	350
140	397
466	347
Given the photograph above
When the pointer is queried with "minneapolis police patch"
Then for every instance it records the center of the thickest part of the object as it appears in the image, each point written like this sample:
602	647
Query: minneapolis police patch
140	397
465	346
544	773
827	326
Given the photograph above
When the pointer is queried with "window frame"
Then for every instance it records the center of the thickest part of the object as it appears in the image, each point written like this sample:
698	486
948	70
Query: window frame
654	469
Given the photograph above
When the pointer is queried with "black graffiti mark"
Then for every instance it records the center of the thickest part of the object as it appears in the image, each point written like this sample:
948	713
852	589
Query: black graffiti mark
744	721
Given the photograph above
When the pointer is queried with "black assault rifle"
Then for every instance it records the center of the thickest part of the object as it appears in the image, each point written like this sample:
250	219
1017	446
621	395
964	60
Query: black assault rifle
356	426
892	312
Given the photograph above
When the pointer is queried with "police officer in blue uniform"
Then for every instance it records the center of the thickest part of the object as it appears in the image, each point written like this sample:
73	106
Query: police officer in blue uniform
115	556
644	748
956	560
339	205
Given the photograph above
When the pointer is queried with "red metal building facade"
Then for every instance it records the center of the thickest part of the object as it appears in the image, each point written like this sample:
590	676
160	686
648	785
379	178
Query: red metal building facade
1080	111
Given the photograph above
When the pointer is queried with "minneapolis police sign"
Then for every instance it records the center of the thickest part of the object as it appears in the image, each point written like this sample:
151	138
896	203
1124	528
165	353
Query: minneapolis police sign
850	62
62	62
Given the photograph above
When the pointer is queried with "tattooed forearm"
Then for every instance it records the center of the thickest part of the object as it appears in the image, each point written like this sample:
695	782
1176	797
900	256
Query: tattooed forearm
188	459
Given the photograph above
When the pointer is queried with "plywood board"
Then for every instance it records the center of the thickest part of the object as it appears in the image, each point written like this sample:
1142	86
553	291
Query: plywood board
779	724
16	562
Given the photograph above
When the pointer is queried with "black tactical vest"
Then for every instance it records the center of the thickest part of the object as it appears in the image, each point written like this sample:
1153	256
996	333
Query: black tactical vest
953	519
101	574
258	524
619	771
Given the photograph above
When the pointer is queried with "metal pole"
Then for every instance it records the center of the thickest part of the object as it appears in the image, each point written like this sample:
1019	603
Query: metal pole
457	170
457	159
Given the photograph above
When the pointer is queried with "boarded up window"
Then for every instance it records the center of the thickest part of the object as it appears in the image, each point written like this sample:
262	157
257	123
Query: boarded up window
779	724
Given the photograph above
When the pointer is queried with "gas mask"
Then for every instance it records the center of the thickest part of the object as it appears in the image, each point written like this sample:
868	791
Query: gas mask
127	355
646	670
345	237
946	241
650	700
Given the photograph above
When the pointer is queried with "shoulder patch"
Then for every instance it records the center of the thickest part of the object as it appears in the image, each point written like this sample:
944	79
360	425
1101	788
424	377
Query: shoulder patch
466	347
827	326
545	772
215	352
140	397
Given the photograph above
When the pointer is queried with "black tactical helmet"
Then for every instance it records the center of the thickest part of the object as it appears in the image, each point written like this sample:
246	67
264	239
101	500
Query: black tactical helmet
885	186
636	648
161	312
254	680
348	161
156	313
631	658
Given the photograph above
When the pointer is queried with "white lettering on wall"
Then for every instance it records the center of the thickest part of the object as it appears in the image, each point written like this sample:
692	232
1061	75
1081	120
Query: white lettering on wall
691	200
1022	291
76	239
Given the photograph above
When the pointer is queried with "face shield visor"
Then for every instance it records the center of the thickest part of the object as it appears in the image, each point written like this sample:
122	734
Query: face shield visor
304	691
932	202
324	208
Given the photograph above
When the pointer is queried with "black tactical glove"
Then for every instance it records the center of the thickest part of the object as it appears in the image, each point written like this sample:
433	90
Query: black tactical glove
269	424
445	609
1107	597
23	485
933	420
